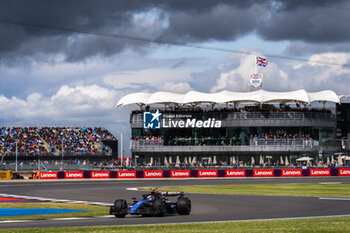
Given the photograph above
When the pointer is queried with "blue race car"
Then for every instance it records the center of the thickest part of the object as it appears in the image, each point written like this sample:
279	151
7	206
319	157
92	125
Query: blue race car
153	204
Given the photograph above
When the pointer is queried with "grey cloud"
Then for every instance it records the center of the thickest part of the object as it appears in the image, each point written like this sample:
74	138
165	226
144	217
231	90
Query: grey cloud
300	48
182	20
319	24
221	23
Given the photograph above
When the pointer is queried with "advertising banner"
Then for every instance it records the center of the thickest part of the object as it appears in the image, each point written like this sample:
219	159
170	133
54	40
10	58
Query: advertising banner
5	175
320	172
344	172
126	174
100	174
207	173
48	175
180	173
235	173
263	172
153	174
291	172
74	175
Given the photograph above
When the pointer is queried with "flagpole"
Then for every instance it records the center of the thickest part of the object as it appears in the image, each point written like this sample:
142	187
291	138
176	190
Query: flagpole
256	67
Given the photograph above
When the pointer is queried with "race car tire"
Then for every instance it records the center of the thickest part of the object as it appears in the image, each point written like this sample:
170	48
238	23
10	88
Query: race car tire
159	207
183	206
120	208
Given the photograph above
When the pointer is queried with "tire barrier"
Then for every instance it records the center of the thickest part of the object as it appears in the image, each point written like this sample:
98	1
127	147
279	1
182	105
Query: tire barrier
204	173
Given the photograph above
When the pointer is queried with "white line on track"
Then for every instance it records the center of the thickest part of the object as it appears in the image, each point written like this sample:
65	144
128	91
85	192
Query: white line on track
223	221
56	200
16	221
244	220
330	183
65	219
335	198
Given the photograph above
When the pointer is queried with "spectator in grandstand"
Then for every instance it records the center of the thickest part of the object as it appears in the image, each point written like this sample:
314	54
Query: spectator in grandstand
75	139
32	140
25	139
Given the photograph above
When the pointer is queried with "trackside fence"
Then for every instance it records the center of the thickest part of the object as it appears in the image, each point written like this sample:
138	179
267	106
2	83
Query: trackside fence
196	173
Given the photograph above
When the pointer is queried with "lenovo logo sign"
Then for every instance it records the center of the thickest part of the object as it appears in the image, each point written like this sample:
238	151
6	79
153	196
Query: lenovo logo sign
291	172
100	174
263	172
235	173
74	175
152	174
48	175
344	172
180	173
126	174
207	173
320	172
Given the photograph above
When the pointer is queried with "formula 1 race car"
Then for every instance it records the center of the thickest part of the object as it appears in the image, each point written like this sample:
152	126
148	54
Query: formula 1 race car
153	204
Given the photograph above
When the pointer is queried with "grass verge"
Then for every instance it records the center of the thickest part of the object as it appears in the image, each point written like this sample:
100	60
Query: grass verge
91	210
337	224
318	190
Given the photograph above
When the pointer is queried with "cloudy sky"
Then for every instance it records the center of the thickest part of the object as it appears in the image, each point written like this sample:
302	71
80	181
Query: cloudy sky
69	62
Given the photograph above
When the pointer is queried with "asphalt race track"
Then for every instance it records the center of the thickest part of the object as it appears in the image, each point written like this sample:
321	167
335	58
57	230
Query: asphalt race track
205	207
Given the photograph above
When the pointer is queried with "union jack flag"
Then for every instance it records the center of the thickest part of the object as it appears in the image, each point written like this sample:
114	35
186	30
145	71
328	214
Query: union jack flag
260	61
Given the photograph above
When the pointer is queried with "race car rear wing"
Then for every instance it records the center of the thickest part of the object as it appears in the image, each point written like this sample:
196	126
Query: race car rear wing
171	194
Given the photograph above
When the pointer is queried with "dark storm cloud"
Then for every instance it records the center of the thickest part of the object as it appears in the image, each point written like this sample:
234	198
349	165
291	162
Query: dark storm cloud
17	40
318	24
313	21
221	23
182	20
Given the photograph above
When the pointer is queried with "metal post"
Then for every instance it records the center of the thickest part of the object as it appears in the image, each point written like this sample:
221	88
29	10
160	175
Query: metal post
62	154
2	161
16	155
121	149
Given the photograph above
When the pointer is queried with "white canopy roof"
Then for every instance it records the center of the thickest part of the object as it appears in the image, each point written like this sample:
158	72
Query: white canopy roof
260	96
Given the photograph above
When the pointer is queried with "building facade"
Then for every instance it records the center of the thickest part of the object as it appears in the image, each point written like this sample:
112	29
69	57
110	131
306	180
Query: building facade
239	126
226	133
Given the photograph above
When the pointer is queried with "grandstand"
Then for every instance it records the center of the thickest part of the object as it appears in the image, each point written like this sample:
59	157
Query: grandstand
244	127
52	144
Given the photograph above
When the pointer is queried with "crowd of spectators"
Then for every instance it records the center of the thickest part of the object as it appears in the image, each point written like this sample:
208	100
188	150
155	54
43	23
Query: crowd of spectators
281	139
51	139
261	139
26	139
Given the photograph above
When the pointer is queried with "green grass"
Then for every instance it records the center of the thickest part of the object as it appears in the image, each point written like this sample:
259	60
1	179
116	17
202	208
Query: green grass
337	224
318	190
92	210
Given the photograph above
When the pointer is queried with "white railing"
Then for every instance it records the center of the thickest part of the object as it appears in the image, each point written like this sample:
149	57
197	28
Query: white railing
292	142
299	142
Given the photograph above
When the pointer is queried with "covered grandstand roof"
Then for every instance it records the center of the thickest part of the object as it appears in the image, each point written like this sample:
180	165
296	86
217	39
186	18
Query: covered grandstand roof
260	96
